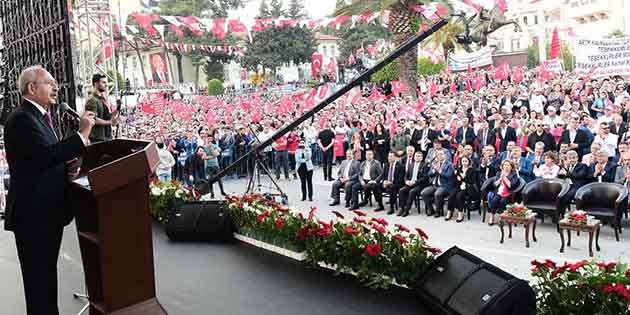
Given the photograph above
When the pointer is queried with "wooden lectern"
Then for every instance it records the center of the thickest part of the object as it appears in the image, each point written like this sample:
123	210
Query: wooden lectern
111	203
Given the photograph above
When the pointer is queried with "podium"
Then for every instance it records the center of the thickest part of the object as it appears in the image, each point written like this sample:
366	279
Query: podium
110	200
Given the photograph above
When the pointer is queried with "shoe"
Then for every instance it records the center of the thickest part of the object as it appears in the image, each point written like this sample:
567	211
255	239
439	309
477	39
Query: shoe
310	198
334	203
303	199
391	211
401	213
211	196
449	216
406	213
460	217
354	207
363	204
380	208
437	214
347	205
430	212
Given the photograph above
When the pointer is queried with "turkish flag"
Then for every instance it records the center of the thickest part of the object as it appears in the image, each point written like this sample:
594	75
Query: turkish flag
554	52
218	31
351	60
323	91
502	5
354	95
316	65
398	87
236	26
331	68
420	105
375	96
518	75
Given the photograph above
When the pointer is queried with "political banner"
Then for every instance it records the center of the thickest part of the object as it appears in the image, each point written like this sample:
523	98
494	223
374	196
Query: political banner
476	59
603	57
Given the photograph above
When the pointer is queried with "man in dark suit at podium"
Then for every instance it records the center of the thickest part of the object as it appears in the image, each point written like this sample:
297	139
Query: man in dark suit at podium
36	209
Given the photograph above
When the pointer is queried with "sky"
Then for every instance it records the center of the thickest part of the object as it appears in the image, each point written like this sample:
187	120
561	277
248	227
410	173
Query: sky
314	8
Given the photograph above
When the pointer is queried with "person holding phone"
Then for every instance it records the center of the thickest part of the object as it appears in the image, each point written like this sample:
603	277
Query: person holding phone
304	166
97	104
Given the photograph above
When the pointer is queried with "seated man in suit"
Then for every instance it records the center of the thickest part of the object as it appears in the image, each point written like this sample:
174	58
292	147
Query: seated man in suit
392	179
442	178
602	171
537	157
347	176
623	168
432	154
416	179
504	155
465	134
488	165
371	170
523	167
576	174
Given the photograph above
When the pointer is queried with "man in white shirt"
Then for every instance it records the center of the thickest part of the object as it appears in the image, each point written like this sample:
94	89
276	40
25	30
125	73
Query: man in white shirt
537	101
607	140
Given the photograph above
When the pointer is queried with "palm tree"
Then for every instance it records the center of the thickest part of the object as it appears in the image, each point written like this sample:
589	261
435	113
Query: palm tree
403	23
446	38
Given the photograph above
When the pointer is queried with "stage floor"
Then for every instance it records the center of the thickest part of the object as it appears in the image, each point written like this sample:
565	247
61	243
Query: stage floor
222	279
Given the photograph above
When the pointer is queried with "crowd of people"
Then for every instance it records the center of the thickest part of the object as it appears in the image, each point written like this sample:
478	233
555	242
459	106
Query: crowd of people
441	148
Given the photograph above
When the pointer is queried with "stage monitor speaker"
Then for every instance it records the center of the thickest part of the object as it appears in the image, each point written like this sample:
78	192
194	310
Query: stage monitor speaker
457	283
200	221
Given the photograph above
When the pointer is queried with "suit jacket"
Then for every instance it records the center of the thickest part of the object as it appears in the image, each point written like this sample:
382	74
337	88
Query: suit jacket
367	140
580	175
581	139
470	178
510	135
37	192
526	170
618	130
375	170
417	136
446	176
355	169
609	172
422	177
490	138
464	139
513	178
399	174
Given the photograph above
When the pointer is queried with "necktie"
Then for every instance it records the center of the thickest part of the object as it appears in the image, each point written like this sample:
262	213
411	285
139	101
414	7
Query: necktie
391	173
483	138
415	172
48	120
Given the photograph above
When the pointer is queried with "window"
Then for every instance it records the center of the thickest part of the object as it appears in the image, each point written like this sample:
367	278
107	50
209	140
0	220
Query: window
535	19
525	20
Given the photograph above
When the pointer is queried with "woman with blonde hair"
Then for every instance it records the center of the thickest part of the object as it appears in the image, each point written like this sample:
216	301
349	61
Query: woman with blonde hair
505	182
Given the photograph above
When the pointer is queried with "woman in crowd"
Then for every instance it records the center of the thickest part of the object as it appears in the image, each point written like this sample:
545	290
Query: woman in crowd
357	146
304	166
467	189
505	182
292	144
381	143
550	168
167	161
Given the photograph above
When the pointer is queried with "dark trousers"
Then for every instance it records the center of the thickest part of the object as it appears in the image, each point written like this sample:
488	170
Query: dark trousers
292	163
212	171
282	162
306	179
497	204
373	188
327	161
38	252
348	190
457	200
408	194
434	194
393	190
381	155
567	198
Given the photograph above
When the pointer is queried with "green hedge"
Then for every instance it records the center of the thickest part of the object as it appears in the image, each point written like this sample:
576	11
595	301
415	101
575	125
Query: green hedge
425	67
215	87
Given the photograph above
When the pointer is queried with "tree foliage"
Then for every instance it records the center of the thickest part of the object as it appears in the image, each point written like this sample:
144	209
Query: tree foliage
276	46
215	87
533	58
359	36
391	71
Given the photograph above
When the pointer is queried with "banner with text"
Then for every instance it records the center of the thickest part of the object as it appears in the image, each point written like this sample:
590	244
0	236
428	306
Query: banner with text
603	57
477	59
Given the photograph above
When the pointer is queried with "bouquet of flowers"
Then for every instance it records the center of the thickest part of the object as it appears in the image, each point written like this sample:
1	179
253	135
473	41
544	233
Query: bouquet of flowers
517	210
162	195
577	217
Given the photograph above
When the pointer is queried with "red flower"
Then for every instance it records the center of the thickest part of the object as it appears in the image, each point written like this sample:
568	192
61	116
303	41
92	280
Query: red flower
279	223
575	267
618	288
311	212
339	215
325	224
373	249
560	270
262	216
282	209
536	263
381	221
535	270
550	264
379	228
352	231
304	233
359	213
433	250
607	266
324	231
628	273
400	239
402	228
301	216
359	220
422	234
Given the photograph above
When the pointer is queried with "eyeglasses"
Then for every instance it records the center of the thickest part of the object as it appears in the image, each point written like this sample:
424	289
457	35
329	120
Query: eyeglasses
52	83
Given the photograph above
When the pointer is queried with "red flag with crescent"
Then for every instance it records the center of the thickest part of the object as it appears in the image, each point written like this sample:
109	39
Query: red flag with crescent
218	30
398	87
316	65
375	96
323	91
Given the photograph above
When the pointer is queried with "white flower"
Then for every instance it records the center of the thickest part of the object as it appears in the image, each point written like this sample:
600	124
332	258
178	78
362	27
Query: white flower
179	194
155	191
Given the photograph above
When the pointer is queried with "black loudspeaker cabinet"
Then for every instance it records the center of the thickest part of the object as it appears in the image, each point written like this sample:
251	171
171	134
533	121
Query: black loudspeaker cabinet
197	221
458	282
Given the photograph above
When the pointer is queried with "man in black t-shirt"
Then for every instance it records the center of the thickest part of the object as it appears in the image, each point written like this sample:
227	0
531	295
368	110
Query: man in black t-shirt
326	141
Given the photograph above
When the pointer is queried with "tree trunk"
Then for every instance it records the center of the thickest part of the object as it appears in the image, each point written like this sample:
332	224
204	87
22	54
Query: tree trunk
196	76
179	67
408	66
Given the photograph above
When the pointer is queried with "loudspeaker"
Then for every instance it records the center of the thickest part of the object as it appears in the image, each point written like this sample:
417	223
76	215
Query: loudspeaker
200	221
457	282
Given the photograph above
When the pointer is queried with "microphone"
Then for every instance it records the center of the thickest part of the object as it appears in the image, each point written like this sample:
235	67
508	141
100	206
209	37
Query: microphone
67	109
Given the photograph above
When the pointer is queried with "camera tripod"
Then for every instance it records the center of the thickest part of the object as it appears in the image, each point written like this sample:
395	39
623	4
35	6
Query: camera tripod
255	184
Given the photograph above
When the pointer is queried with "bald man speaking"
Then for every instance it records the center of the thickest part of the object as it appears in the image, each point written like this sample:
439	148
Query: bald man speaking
37	210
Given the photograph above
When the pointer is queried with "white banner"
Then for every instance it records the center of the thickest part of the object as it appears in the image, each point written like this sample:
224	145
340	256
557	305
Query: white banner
555	65
604	57
477	59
